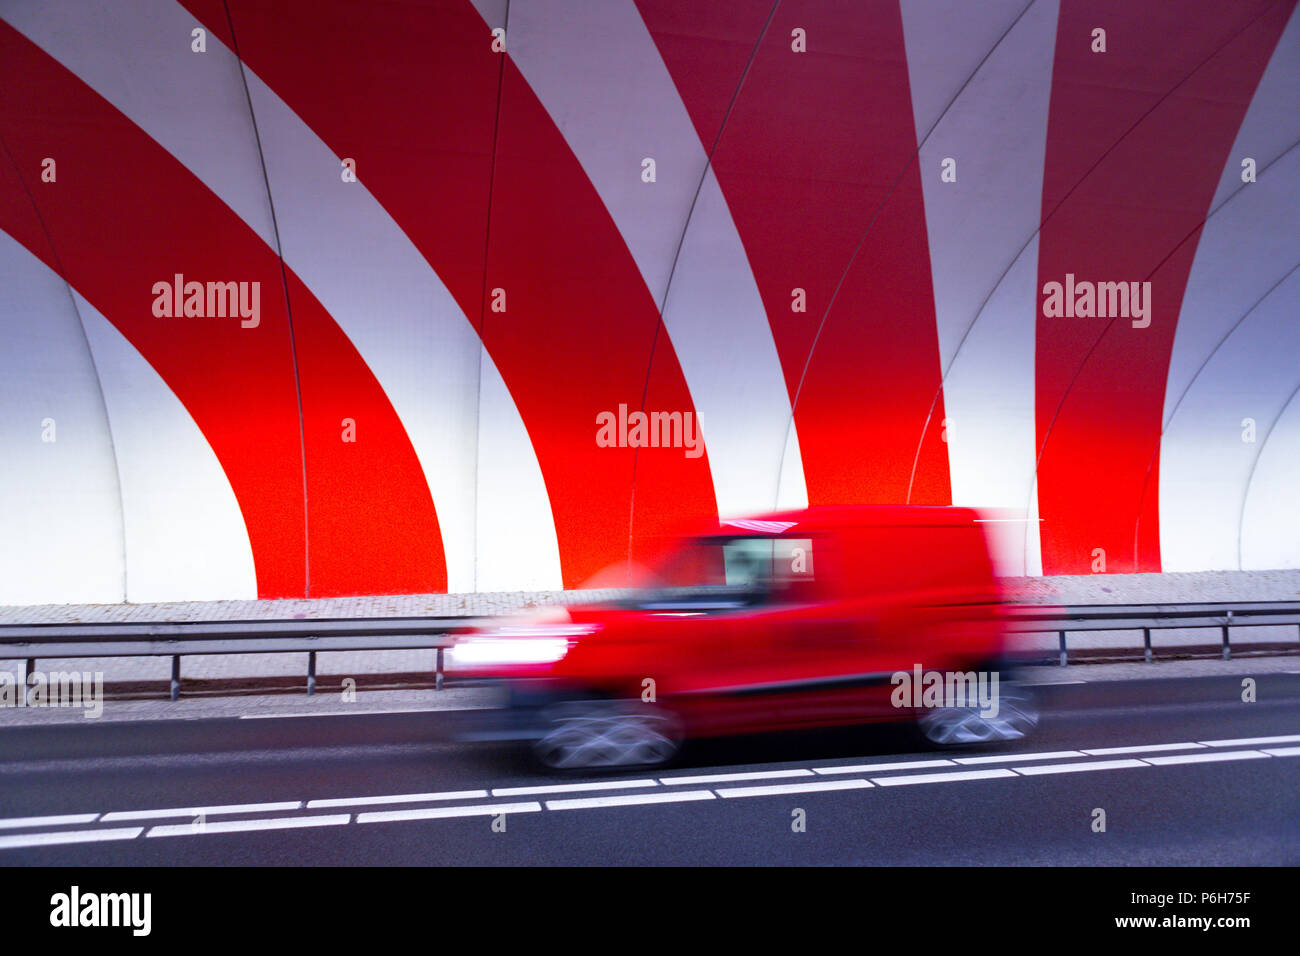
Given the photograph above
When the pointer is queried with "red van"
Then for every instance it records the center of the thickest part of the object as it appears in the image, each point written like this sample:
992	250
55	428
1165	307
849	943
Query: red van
815	618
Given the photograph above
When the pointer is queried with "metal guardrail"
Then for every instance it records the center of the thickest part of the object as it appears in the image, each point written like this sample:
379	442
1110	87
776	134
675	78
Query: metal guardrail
31	642
1150	617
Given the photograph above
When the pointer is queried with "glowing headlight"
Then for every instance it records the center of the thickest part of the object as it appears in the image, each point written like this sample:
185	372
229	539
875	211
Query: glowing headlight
518	645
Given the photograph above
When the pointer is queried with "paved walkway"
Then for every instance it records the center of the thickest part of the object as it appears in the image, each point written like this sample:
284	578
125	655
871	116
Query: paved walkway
1066	589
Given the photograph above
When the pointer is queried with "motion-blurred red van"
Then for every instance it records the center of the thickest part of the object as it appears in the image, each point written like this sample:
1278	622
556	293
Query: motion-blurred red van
815	618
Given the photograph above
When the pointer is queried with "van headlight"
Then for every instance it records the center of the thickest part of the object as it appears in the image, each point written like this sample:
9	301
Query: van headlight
518	645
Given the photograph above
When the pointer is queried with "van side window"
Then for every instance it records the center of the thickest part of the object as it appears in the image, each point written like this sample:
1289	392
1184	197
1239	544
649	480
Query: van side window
774	568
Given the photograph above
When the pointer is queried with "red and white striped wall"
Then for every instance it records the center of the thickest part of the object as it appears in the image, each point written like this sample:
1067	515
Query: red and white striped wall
817	231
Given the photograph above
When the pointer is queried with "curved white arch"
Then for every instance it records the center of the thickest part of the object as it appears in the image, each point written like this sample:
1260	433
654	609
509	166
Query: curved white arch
60	508
185	537
1270	520
345	247
995	132
1222	373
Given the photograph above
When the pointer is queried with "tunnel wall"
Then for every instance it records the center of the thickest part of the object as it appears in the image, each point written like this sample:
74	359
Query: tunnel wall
348	299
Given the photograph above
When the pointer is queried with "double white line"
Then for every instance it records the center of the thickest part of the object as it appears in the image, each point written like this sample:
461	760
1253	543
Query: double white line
706	787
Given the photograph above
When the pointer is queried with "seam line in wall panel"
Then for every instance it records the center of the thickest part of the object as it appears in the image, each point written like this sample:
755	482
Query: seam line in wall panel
1155	452
288	308
677	254
483	353
1167	415
94	364
1218	345
943	372
1254	465
654	341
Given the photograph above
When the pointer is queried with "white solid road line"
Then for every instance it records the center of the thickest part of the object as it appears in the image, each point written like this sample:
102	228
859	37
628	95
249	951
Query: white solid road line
1008	758
332	802
245	826
1253	741
1206	758
728	777
573	787
1282	751
781	788
629	800
879	767
1039	769
915	778
438	813
68	836
16	823
124	815
1149	748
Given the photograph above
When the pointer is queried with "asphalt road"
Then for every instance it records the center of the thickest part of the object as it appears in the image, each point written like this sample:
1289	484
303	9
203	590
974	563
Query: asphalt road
1203	779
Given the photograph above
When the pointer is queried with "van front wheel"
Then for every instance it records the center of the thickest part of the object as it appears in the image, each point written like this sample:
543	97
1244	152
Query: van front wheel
1016	717
582	735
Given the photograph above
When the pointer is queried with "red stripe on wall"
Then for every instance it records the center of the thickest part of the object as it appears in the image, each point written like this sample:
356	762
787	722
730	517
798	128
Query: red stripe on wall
1137	140
123	215
817	152
417	96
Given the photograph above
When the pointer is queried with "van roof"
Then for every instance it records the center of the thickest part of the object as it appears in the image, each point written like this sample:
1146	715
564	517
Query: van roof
834	517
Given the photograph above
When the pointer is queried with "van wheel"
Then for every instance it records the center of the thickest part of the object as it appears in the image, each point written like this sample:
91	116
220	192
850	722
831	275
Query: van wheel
1016	718
582	735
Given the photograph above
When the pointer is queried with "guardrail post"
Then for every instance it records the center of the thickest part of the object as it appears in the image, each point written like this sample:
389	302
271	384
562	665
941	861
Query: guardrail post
1146	644
437	674
176	677
28	666
1227	651
311	673
1064	659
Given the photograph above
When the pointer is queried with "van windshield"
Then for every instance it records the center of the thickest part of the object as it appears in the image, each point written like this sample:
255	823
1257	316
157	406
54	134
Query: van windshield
734	570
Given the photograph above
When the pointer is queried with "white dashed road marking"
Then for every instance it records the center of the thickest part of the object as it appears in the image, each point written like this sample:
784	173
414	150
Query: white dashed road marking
1150	748
69	836
729	777
333	802
439	813
1253	741
124	815
17	823
1038	769
882	767
630	800
1008	758
573	787
1207	758
243	826
954	777
780	788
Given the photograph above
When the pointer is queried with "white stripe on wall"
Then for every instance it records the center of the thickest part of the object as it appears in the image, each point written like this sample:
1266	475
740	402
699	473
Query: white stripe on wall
1234	350
597	71
60	511
185	535
996	132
